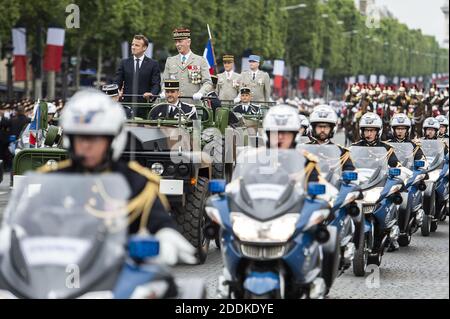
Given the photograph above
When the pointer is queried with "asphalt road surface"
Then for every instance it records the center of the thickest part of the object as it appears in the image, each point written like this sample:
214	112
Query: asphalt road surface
419	271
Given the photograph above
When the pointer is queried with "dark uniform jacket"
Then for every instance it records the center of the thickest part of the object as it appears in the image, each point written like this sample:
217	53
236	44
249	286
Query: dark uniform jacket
163	111
145	194
392	158
346	161
251	109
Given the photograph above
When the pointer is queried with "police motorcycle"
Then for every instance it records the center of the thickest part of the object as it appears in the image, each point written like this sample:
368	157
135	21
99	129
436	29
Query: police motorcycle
411	212
381	187
57	243
343	193
436	193
271	227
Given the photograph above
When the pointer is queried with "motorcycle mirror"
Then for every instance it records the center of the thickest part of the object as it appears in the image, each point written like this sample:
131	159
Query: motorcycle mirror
394	172
141	247
217	186
349	176
315	189
419	164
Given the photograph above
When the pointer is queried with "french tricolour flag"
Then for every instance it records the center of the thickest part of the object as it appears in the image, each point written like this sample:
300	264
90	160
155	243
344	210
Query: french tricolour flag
209	56
19	37
34	124
54	49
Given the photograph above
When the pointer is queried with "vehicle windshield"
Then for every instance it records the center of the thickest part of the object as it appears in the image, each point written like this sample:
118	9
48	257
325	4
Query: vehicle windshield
58	217
271	178
404	153
329	160
369	162
433	151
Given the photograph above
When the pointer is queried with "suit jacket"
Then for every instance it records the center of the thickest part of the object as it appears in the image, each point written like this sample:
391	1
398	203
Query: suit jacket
193	76
228	89
260	87
252	109
163	111
149	78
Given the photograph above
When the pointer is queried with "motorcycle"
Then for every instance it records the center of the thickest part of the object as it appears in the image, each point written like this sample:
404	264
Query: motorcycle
271	227
347	216
381	187
436	193
411	211
65	237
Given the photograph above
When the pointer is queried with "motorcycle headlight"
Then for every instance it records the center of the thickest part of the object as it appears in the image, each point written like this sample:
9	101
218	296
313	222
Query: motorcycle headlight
157	168
275	231
371	196
317	217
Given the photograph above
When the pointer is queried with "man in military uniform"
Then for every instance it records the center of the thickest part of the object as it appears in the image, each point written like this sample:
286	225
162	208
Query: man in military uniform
246	107
191	70
324	125
94	126
229	81
171	109
401	132
443	130
258	81
112	90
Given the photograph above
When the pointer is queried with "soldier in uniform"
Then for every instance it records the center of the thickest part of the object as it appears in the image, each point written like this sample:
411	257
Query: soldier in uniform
229	81
171	109
112	90
443	130
246	107
401	132
258	81
94	126
191	70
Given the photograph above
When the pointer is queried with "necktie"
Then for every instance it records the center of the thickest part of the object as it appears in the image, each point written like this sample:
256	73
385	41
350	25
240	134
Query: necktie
136	78
254	76
136	69
183	59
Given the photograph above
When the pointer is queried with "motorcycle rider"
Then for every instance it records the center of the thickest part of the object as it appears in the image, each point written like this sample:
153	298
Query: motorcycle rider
371	129
95	136
430	129
443	130
401	132
304	125
324	122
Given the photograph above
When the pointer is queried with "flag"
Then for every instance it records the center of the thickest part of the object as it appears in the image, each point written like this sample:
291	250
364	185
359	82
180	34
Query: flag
125	50
382	80
19	37
318	77
209	56
54	49
303	78
149	51
278	72
34	124
373	79
352	80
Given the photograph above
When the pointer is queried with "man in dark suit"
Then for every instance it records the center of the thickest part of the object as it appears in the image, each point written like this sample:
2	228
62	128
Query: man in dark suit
246	107
170	110
139	76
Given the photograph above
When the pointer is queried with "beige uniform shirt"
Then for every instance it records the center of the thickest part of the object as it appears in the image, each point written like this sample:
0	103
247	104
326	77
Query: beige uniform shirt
260	86
228	86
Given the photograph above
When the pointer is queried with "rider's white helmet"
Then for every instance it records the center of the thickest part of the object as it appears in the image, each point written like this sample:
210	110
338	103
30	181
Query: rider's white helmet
90	112
324	114
51	108
431	122
282	118
304	122
400	119
371	120
442	119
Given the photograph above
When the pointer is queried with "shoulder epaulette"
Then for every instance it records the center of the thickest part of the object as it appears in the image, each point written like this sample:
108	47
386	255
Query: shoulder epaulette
311	157
53	168
138	168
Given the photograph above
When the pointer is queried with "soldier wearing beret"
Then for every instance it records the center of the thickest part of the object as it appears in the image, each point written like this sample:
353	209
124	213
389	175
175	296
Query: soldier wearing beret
191	70
256	80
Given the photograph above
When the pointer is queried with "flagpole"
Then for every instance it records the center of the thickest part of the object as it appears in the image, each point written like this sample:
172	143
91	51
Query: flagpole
212	47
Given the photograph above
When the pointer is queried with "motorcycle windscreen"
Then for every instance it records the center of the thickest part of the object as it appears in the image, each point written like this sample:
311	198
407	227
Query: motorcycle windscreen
268	182
66	233
329	160
370	162
404	153
433	151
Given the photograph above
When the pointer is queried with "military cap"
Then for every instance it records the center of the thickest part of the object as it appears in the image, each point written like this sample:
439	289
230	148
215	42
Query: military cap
245	91
255	58
171	85
228	58
181	34
111	89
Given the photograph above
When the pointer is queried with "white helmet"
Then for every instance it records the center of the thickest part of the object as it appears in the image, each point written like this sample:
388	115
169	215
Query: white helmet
442	119
430	122
282	118
400	119
371	120
51	108
304	122
90	112
324	114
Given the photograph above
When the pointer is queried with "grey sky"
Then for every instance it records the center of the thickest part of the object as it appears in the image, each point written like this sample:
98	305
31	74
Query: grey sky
419	14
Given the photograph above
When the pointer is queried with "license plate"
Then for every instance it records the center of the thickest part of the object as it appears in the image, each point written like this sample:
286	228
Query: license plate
171	187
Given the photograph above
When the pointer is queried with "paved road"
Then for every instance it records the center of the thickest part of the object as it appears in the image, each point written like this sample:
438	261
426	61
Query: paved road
419	271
